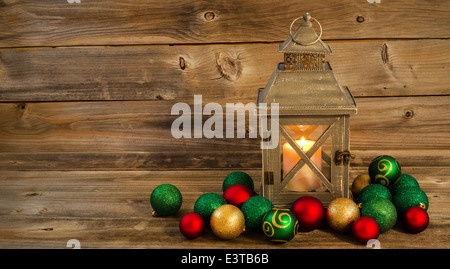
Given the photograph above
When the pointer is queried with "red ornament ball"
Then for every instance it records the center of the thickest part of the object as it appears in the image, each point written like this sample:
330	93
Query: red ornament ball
192	225
415	219
237	194
310	213
364	229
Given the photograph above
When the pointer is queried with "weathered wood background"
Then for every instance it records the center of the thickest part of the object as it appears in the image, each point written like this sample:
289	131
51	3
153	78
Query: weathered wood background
86	92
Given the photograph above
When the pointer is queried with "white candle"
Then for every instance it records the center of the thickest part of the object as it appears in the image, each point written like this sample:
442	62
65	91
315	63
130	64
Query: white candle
305	179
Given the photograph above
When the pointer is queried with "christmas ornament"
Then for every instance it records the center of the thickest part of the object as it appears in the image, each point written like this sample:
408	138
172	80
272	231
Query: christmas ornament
237	194
364	229
238	177
404	181
382	211
374	190
409	197
254	210
415	219
227	222
165	200
280	225
384	170
207	203
192	225
361	181
309	212
341	213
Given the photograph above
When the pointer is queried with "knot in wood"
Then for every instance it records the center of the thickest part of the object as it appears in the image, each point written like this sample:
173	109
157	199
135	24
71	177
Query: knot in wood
230	68
409	114
384	53
21	106
209	16
360	19
182	63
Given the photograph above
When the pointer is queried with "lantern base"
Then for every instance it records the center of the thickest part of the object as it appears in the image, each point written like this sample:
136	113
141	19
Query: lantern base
285	198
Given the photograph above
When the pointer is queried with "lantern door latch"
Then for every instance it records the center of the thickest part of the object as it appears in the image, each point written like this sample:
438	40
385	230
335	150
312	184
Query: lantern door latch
343	157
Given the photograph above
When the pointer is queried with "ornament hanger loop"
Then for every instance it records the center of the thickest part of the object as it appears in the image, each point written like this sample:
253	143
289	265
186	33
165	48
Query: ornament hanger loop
306	17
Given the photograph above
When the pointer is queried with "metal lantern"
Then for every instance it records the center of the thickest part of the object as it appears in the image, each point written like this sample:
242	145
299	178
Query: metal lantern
313	153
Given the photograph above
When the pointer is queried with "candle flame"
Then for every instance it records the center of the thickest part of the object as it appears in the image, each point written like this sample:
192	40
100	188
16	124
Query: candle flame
302	143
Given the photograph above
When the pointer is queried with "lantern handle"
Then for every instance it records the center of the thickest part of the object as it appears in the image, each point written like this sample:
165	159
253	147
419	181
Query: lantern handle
306	17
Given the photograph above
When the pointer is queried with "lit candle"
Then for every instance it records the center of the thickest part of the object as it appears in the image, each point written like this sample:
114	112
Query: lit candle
305	179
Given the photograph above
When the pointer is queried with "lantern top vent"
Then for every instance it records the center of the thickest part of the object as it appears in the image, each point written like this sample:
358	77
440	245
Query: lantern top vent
305	39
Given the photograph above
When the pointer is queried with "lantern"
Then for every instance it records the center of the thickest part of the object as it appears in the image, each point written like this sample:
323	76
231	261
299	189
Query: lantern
313	154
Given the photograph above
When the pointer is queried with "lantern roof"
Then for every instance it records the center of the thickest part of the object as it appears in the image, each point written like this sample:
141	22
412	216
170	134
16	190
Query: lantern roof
304	39
313	92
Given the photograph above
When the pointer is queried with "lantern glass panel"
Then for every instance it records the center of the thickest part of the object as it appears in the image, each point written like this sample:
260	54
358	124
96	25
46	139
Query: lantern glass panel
300	176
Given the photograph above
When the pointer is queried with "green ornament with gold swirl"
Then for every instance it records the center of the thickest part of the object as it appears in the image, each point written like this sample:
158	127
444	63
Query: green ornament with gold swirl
384	170
280	225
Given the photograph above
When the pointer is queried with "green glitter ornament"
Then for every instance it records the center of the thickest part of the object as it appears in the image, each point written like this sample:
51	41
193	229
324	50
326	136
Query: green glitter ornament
374	190
404	181
384	170
207	203
382	211
166	200
254	210
280	225
238	177
409	197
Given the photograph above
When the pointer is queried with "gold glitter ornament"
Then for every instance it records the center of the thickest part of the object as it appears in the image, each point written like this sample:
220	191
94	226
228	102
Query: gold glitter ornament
361	181
341	213
227	222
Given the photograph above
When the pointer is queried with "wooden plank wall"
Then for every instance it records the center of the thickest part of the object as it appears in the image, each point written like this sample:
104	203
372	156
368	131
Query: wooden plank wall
89	87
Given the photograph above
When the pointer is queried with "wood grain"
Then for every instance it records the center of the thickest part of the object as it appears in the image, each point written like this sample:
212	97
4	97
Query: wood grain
136	135
223	72
107	209
50	23
86	92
